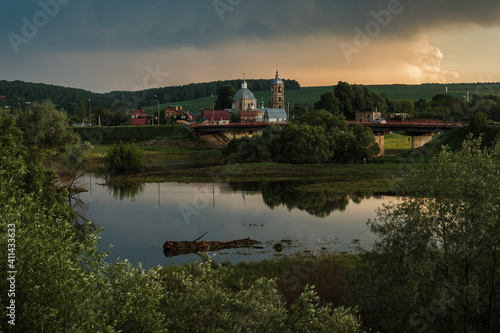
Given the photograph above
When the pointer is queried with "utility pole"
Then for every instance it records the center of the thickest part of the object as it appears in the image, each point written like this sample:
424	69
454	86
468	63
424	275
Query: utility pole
158	109
90	120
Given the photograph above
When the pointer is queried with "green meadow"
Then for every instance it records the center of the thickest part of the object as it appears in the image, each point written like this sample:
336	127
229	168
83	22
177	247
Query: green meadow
310	95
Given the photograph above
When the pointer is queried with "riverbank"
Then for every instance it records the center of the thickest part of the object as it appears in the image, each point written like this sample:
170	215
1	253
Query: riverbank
338	178
189	161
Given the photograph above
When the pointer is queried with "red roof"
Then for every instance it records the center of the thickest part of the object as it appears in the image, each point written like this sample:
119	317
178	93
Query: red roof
138	112
217	115
138	121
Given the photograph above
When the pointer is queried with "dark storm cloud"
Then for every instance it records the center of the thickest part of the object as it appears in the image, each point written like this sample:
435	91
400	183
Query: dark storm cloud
131	24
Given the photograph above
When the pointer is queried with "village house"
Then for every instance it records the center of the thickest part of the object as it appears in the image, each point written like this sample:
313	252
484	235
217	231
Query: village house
177	114
139	117
217	116
367	115
275	115
172	111
248	116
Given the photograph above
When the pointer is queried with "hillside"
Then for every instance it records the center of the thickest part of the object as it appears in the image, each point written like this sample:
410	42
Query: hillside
196	96
310	95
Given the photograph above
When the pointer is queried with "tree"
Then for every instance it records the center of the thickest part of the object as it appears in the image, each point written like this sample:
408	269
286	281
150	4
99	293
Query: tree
328	102
303	144
104	115
235	117
436	263
82	110
343	91
47	130
123	159
122	118
225	97
478	123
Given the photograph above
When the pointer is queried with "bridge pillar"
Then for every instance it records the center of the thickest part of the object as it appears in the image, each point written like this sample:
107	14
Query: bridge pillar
418	141
380	139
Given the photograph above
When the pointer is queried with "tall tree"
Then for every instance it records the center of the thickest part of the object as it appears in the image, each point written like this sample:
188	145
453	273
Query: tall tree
47	130
82	110
328	102
225	97
344	92
436	264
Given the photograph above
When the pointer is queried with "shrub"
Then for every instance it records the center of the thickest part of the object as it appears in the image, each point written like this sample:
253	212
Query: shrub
478	123
123	159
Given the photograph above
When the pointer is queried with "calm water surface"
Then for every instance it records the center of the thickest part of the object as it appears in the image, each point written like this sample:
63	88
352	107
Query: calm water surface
138	220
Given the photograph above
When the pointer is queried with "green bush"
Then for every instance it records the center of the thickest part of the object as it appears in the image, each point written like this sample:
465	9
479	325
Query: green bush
478	123
124	159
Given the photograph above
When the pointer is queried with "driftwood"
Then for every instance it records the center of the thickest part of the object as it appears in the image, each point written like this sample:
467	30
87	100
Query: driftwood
171	249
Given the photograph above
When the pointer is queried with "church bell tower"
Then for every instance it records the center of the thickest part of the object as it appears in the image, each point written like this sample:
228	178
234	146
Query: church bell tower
277	93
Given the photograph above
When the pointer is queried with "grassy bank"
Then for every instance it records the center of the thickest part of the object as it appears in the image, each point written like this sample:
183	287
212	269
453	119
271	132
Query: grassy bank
187	161
108	135
339	178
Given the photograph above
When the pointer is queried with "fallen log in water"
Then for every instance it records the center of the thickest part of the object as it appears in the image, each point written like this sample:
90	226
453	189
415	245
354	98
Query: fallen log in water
171	249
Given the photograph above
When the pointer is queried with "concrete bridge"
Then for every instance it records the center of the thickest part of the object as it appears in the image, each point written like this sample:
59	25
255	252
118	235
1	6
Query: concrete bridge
421	131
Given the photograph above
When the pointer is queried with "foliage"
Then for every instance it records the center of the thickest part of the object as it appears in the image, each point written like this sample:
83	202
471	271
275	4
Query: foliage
201	301
47	130
100	135
302	144
436	262
353	98
317	137
247	150
63	282
124	159
234	117
489	104
478	123
225	97
82	111
328	102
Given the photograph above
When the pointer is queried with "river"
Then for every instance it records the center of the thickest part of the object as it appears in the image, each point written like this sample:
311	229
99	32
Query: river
137	220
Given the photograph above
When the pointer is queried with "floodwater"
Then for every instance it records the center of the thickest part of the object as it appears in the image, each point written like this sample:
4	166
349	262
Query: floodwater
138	220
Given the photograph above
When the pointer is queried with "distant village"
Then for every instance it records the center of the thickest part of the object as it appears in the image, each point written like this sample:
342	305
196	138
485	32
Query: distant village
244	104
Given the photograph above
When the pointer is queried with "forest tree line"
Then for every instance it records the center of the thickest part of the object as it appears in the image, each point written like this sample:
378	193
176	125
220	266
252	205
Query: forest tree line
18	93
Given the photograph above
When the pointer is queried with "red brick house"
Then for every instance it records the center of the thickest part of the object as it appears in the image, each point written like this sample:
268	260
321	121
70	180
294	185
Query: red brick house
140	117
217	116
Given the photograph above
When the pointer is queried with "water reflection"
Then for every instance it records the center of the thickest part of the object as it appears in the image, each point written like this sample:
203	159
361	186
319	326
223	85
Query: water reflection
128	191
319	204
274	195
139	219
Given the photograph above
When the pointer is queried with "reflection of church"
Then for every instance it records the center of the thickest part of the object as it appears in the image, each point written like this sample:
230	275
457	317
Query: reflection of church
245	103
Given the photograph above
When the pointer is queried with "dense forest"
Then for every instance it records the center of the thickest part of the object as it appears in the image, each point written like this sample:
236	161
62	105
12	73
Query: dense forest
19	94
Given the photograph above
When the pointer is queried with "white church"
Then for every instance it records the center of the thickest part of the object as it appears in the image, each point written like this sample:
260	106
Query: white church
245	104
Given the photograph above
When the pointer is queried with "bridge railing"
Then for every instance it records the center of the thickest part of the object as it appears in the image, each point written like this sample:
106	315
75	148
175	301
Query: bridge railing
412	123
241	124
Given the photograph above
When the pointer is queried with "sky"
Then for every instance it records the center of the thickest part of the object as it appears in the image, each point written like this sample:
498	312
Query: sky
110	45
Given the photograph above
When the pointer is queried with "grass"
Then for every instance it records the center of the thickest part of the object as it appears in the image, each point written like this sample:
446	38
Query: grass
335	178
311	95
198	164
106	135
397	144
329	274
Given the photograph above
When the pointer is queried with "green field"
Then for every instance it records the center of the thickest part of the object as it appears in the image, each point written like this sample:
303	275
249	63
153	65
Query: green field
311	95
